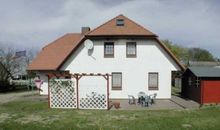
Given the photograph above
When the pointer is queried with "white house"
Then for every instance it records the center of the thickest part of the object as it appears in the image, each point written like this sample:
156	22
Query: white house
134	58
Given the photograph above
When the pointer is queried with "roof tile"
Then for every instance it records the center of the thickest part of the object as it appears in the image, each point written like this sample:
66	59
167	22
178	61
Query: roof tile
111	29
205	71
54	53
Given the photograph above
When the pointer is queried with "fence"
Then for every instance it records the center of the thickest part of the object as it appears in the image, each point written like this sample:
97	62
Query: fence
62	93
85	92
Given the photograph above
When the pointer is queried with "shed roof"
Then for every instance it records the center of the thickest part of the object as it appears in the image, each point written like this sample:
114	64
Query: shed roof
205	71
204	63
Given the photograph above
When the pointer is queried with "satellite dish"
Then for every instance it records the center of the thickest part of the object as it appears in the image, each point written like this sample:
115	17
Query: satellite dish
88	44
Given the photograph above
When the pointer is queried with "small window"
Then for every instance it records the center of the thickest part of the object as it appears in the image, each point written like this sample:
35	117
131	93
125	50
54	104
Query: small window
117	81
190	81
153	81
120	22
109	49
131	49
197	82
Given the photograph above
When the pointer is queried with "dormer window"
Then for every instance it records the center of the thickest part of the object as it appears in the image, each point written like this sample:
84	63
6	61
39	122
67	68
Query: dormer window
120	22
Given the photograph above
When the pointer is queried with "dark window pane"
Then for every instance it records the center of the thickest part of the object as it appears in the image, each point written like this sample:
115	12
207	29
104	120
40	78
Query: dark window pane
109	49
120	22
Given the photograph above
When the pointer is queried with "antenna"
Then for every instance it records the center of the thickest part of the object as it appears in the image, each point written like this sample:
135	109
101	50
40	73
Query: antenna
88	44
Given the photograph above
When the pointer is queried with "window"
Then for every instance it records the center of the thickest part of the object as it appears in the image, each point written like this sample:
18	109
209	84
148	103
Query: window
153	81
190	81
120	22
109	49
197	82
131	49
117	81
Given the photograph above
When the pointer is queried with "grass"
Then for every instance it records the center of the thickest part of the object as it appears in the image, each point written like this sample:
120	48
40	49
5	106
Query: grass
34	115
176	91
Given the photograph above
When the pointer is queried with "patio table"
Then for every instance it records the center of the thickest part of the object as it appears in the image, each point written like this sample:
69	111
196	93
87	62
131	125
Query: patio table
144	100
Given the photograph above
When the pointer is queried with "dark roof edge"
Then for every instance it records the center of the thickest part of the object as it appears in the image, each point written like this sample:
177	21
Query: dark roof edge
171	54
71	52
120	36
162	45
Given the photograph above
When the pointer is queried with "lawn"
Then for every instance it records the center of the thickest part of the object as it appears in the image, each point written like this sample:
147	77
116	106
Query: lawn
176	91
33	115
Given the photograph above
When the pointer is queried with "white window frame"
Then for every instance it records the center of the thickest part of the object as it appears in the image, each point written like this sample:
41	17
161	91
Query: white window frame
153	87
129	49
117	87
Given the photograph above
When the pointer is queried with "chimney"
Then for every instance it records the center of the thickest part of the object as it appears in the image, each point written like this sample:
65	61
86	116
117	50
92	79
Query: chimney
84	30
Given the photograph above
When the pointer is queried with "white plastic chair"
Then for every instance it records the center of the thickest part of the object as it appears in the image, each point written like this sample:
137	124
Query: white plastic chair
141	94
146	101
131	99
153	98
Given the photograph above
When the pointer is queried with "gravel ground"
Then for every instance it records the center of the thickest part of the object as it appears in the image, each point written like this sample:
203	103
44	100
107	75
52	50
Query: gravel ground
7	97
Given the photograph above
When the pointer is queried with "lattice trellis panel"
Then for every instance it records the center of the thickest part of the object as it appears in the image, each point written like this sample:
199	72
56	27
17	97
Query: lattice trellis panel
92	93
93	101
62	93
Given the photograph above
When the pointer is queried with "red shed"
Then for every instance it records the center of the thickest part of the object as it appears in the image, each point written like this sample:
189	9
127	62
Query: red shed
202	84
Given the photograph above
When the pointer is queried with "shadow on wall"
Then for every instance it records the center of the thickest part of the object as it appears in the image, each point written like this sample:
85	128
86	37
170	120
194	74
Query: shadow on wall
90	52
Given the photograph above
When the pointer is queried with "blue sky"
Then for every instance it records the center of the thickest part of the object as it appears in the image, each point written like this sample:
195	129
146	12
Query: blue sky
35	23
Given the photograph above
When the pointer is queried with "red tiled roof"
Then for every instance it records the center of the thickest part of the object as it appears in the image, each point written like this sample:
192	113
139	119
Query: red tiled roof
56	53
130	28
52	55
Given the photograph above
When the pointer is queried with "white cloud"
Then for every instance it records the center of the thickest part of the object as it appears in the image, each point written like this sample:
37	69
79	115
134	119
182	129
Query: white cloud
190	23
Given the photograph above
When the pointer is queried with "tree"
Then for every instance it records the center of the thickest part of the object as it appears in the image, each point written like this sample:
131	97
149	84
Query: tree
180	52
9	61
4	74
15	65
189	54
198	54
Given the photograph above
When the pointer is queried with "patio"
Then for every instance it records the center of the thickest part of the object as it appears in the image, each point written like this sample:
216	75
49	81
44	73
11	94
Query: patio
174	103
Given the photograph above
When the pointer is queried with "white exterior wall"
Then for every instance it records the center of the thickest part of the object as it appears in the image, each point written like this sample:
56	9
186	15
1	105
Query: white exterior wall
150	58
44	86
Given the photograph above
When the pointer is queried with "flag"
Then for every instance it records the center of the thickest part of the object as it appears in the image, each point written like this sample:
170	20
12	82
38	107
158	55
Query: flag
20	53
38	84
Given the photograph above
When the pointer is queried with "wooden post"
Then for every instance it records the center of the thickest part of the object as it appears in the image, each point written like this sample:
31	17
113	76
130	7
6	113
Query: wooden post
77	91
48	77
107	92
201	92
